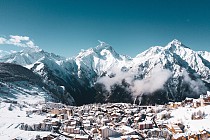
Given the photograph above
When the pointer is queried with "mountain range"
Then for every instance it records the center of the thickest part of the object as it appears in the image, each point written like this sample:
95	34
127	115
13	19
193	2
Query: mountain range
100	74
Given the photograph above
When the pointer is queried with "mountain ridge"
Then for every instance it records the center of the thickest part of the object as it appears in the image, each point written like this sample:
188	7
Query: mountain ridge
100	74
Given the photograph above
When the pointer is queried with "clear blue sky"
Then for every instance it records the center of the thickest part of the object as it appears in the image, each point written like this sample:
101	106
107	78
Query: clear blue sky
65	27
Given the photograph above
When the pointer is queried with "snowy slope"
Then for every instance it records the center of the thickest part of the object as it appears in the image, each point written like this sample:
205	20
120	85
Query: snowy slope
205	55
174	71
176	56
20	84
94	62
28	56
12	119
3	53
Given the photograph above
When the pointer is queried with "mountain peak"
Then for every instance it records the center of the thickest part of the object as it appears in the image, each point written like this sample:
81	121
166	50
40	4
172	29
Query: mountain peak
98	50
175	44
31	50
102	46
102	43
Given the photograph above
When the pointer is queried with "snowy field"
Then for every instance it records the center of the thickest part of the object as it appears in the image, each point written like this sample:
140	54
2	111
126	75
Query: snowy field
11	120
183	115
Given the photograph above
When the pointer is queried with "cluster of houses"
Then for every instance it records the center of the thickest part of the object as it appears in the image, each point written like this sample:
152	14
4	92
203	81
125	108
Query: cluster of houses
204	100
117	121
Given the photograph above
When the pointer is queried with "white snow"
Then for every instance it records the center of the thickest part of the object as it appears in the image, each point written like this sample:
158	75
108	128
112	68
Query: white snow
11	120
183	115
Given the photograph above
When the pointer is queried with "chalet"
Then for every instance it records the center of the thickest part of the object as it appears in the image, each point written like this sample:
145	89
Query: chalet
124	121
175	104
86	124
55	122
145	125
76	130
69	129
69	112
115	115
174	128
131	137
48	126
48	138
205	134
105	120
206	99
106	132
179	136
82	137
55	111
128	111
126	130
136	119
196	103
156	132
94	130
188	101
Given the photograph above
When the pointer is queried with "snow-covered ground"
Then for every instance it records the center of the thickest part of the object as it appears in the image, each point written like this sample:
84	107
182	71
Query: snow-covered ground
183	115
11	120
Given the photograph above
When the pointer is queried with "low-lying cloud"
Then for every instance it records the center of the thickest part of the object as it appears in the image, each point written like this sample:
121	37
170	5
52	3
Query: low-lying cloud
197	86
153	82
115	77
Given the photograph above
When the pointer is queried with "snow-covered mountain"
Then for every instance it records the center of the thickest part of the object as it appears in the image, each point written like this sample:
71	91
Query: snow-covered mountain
20	84
95	62
100	74
28	56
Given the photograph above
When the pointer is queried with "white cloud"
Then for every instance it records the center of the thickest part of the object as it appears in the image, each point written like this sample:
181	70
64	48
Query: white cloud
2	40
20	41
152	83
30	44
196	86
19	38
116	79
155	81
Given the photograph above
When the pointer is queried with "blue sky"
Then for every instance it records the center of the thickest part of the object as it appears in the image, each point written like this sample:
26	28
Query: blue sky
65	27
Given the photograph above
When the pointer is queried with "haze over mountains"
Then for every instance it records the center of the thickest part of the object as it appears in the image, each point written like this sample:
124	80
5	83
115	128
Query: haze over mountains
100	74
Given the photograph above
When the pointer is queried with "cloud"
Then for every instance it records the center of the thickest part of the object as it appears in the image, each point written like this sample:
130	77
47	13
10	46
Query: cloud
153	82
2	40
196	86
115	77
20	41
